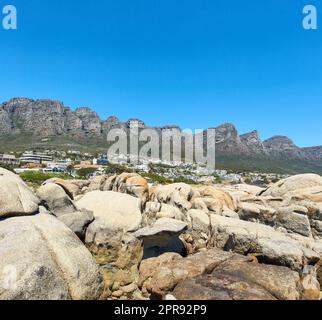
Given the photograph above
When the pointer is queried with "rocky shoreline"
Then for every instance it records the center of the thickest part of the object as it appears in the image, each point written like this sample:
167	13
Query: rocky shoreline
118	237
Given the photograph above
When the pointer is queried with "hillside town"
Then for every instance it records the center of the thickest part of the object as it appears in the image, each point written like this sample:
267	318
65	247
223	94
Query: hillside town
70	162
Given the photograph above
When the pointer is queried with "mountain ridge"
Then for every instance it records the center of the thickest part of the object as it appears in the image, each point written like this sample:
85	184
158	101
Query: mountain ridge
28	122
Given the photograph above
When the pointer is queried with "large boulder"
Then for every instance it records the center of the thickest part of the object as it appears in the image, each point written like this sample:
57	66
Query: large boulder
218	275
168	211
217	200
130	183
162	237
77	222
292	184
133	184
113	212
160	275
176	194
55	199
199	221
238	278
16	199
199	228
42	259
72	187
160	233
270	245
277	213
156	210
313	194
109	237
96	183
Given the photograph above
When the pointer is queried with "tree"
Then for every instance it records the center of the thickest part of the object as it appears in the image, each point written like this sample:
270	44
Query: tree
85	172
70	168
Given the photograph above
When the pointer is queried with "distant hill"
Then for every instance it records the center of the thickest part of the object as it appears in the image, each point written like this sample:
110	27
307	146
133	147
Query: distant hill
40	124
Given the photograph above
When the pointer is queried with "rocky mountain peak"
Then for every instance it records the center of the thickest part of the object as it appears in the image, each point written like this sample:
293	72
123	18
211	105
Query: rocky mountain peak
253	142
282	146
278	142
228	140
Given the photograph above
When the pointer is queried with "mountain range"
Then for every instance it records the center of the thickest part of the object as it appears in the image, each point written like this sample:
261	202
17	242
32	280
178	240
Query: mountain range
37	124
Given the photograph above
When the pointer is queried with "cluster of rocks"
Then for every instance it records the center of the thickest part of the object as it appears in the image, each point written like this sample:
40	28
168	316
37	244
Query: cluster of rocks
117	237
41	258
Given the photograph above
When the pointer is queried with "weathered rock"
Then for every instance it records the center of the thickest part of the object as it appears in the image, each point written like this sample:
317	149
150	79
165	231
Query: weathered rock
230	214
216	199
200	221
256	211
116	215
161	275
43	210
55	199
240	192
16	199
96	183
129	288
276	214
161	233
249	189
199	204
269	245
162	237
316	226
117	294
310	284
294	222
239	279
151	210
137	186
292	184
77	222
73	188
172	212
129	183
313	194
45	260
176	194
91	123
319	272
113	212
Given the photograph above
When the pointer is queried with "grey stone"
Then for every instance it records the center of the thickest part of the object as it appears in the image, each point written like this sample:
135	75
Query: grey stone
16	199
55	199
77	222
44	260
161	233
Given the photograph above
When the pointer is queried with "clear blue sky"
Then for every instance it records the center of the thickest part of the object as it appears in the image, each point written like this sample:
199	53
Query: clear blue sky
196	63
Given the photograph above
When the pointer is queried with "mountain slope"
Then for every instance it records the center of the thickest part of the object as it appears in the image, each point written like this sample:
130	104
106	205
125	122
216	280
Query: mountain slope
43	124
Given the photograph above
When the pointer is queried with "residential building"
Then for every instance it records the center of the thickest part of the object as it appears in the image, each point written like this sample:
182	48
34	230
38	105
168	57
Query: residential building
34	157
9	159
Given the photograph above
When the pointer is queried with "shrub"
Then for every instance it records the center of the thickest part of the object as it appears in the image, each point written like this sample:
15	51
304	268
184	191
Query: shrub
183	180
153	177
116	169
6	166
38	177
